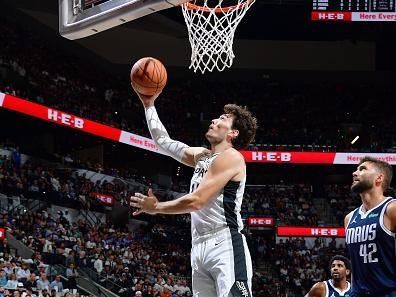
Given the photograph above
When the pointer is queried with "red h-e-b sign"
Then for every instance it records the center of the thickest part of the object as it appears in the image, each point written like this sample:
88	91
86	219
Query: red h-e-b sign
311	232
260	222
334	16
2	234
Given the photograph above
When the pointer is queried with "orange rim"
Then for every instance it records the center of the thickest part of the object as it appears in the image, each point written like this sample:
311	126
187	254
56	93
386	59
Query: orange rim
191	6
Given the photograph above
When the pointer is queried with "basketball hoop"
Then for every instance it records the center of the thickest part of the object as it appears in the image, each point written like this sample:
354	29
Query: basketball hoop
211	27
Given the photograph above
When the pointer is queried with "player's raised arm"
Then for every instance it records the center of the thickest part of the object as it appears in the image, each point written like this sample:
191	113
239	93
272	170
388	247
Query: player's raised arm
317	290
173	148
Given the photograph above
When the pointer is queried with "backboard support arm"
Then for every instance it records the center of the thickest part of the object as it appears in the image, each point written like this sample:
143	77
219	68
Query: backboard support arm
76	22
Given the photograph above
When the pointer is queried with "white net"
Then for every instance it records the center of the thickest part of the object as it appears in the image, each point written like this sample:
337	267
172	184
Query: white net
211	29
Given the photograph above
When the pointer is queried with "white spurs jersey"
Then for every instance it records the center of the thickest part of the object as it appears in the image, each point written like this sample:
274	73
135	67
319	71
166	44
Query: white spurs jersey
223	210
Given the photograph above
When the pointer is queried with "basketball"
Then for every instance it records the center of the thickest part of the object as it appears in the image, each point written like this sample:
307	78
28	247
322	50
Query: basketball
148	76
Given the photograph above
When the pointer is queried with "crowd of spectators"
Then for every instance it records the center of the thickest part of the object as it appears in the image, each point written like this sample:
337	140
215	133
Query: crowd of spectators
289	204
29	277
27	70
153	259
33	179
342	201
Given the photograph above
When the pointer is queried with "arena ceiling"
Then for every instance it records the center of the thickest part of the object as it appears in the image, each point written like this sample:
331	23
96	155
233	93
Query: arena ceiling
268	20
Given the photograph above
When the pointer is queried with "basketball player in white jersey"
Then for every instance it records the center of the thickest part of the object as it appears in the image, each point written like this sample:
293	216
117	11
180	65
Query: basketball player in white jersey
337	286
220	259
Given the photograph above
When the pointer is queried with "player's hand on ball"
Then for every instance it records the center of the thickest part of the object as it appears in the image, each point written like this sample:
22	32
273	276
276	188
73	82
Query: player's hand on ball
143	203
146	100
148	79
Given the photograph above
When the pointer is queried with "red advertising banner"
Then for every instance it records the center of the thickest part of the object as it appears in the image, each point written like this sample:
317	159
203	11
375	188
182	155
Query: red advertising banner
277	157
333	16
104	198
313	157
261	222
66	119
289	157
354	16
310	231
2	234
60	117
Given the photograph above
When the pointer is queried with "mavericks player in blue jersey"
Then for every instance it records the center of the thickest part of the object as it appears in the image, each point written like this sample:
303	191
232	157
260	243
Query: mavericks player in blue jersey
337	286
370	231
220	259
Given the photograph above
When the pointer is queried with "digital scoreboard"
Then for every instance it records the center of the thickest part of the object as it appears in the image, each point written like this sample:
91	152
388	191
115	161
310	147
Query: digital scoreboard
354	10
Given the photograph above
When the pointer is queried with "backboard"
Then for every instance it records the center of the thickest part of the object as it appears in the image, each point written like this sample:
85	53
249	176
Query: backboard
82	18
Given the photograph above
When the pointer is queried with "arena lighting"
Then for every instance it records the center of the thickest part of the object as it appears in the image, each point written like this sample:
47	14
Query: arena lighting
355	139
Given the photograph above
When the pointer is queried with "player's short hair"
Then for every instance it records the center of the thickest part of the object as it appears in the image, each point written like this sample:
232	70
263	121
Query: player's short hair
384	167
344	259
244	122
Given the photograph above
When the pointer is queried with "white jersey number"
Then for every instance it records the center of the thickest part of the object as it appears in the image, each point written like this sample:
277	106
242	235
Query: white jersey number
367	251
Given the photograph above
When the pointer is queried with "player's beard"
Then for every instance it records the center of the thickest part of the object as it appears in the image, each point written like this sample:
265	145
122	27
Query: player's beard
361	186
336	278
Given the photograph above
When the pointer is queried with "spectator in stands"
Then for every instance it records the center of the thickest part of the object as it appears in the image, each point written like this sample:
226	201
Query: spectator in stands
125	284
70	259
53	293
8	268
159	284
20	289
182	286
31	282
68	294
57	284
42	268
82	259
23	273
98	265
153	293
169	285
12	282
14	267
43	282
3	278
4	247
127	273
72	274
16	158
138	287
186	289
106	274
166	293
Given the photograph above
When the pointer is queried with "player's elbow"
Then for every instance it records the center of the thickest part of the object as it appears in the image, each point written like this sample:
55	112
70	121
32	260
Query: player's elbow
196	203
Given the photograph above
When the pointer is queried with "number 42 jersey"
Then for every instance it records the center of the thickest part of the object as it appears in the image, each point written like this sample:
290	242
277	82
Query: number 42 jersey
372	250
